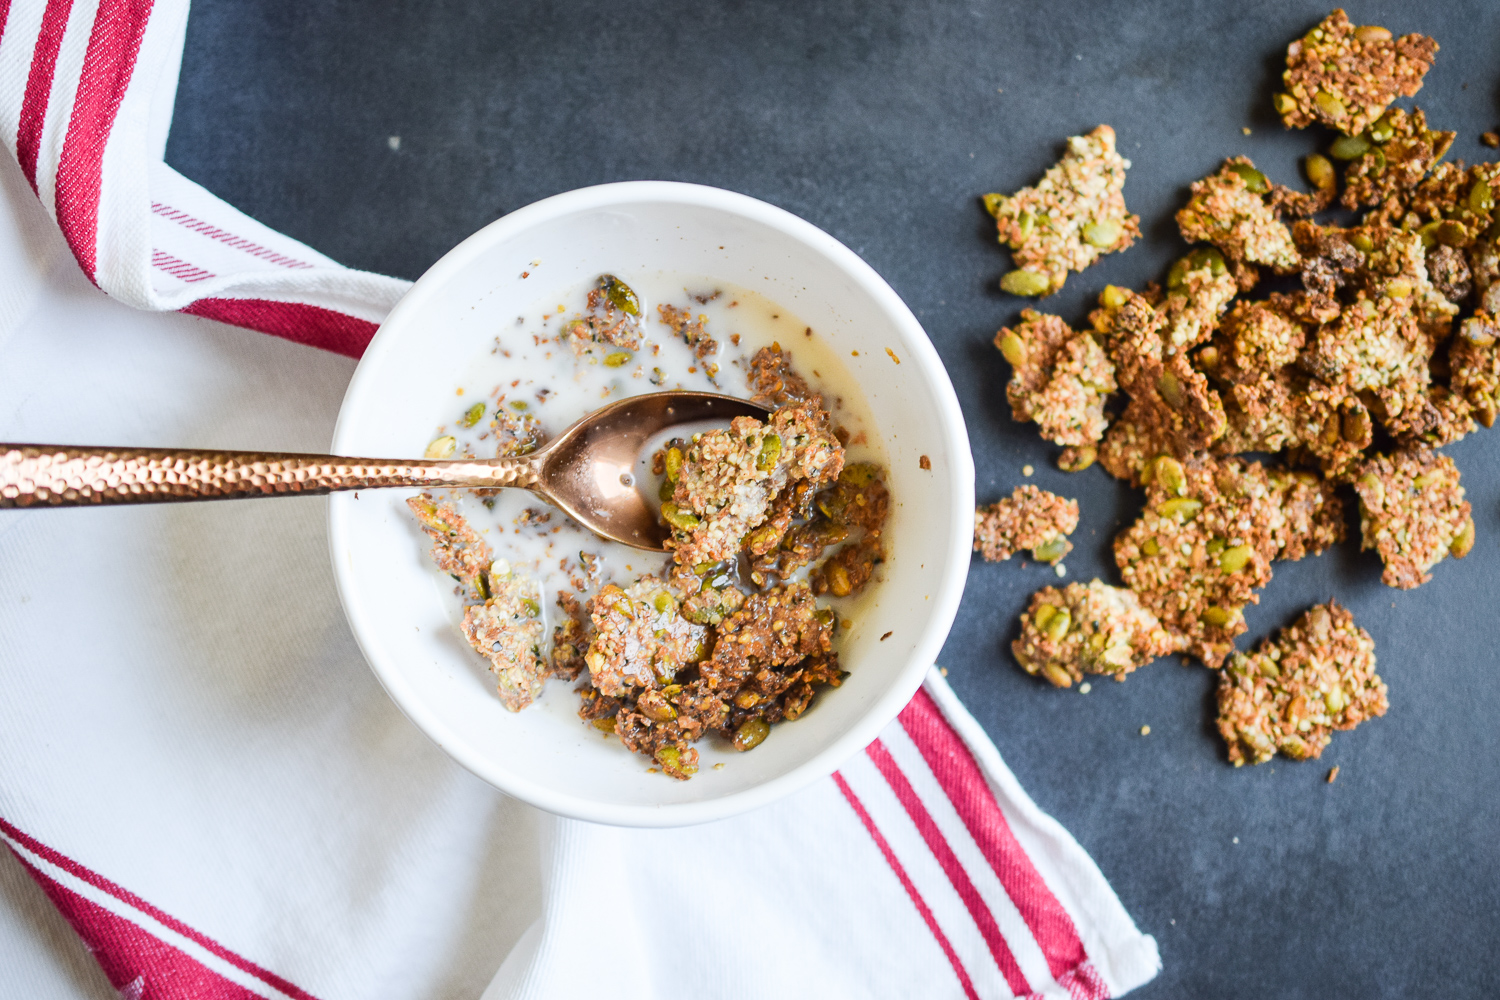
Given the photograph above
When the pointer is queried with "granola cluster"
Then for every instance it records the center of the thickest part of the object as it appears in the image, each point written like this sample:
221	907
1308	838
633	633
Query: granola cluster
1095	629
1030	518
1289	695
1389	349
1345	76
766	518
1069	219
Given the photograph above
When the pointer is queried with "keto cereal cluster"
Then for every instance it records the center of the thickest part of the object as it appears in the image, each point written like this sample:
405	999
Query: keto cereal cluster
732	635
1384	352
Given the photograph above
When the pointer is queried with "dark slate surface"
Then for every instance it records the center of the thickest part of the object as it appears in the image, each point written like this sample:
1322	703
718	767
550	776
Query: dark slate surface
882	123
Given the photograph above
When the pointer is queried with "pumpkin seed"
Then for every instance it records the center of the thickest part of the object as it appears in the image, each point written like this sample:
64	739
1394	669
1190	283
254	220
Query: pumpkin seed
1013	348
1052	550
1369	33
473	415
678	518
1113	297
1042	615
616	359
770	451
1028	283
1349	147
751	734
621	294
1102	233
1255	181
1233	560
1170	475
1329	104
1284	104
1058	625
993	203
1320	172
442	447
1171	390
1058	675
1462	545
1216	616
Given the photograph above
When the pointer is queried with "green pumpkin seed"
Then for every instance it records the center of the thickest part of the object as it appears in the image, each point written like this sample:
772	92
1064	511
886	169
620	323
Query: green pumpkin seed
1052	550
1462	545
1451	234
1216	617
621	294
615	359
1184	509
1320	172
1329	104
1151	547
1170	474
1232	560
1026	283
1042	615
993	203
664	602
473	415
1057	675
1255	181
1103	233
1216	545
751	735
1058	625
442	447
1349	147
1284	104
1370	33
770	451
1025	223
1171	390
1013	348
1178	273
678	518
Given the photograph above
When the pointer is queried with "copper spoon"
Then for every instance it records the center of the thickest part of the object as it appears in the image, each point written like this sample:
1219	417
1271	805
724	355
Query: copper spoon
587	470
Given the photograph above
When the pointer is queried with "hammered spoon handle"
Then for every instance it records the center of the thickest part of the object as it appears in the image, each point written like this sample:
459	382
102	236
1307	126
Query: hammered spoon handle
71	476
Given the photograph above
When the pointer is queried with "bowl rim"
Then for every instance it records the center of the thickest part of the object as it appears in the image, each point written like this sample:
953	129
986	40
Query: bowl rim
944	601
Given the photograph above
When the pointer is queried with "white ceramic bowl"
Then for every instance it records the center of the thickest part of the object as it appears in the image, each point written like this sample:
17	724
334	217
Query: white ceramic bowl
403	387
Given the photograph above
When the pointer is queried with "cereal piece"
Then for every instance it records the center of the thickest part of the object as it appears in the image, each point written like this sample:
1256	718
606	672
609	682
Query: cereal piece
1199	289
1413	513
1134	439
1397	163
612	319
772	380
1060	378
507	629
1261	336
1230	209
1345	77
641	640
1198	552
1289	695
1474	362
517	431
1309	514
694	333
1030	518
570	638
1096	629
1206	539
1484	268
777	628
1429	415
456	548
1448	269
859	501
1260	410
729	479
1170	400
1074	214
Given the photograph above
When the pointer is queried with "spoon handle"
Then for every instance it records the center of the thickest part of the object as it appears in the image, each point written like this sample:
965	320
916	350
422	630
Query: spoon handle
68	476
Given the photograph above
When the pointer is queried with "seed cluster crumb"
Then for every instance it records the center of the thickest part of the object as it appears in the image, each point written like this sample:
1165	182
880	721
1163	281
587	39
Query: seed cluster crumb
1060	378
1030	518
1095	629
1413	513
731	636
1345	76
1071	217
1289	695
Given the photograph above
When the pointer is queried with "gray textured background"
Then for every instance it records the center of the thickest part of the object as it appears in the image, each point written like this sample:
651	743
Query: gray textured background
882	123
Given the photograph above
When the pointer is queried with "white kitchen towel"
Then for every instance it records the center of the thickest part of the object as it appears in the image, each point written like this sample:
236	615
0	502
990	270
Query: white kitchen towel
205	781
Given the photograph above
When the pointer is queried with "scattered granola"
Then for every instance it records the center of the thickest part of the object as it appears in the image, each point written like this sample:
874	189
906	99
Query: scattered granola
1231	210
1060	378
1289	695
456	548
507	630
1030	518
1073	215
1345	77
1096	629
612	319
1413	513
